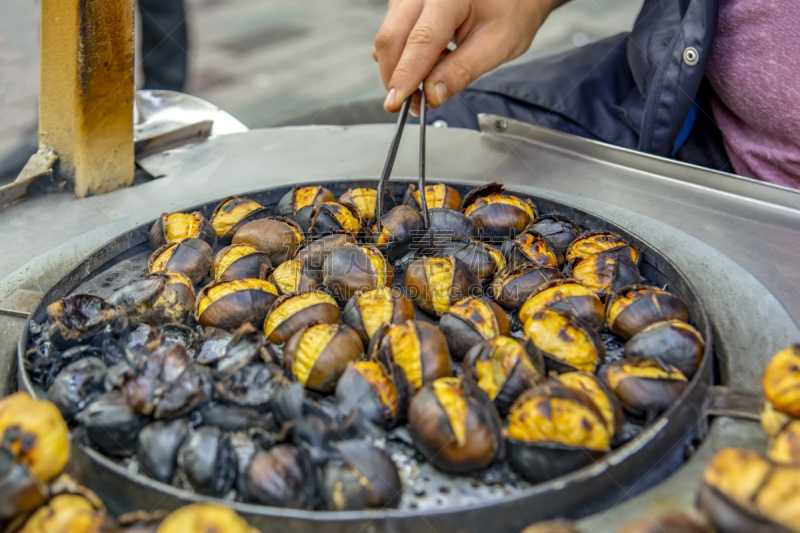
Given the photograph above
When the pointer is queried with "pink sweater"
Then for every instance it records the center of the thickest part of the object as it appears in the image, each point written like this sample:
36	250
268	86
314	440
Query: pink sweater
754	69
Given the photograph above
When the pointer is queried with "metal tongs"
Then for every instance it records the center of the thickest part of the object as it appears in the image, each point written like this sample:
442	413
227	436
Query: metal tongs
387	168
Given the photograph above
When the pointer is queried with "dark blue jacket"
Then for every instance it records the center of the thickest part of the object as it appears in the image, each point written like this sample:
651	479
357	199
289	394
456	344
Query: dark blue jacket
635	90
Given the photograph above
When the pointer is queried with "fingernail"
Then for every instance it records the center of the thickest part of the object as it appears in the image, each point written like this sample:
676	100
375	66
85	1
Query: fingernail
414	110
390	98
441	93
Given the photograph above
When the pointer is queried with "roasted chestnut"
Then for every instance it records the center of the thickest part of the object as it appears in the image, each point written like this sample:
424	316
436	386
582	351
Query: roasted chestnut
233	213
299	202
381	392
111	425
566	295
633	308
351	269
781	381
165	297
531	247
317	356
240	261
280	477
504	369
456	431
365	200
743	491
471	321
316	250
331	216
277	237
514	284
594	242
436	196
567	343
69	513
158	445
77	385
205	517
254	385
295	275
559	231
669	523
772	421
553	430
181	226
190	257
367	310
419	348
606	272
601	395
228	304
400	228
483	259
436	283
644	386
84	319
365	477
208	461
291	313
497	214
784	448
446	226
672	342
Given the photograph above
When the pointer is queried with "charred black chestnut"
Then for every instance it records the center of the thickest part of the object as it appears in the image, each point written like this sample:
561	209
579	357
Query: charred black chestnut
483	259
367	310
672	342
365	200
331	216
471	321
497	214
112	426
181	226
77	385
158	447
365	477
84	319
559	231
419	348
254	385
165	297
634	308
190	257
277	237
644	386
553	430
594	242
567	343
317	356
514	284
606	272
531	247
601	395
400	228
208	461
240	261
280	477
300	202
296	275
352	269
457	432
233	213
291	313
566	295
228	304
436	283
436	196
381	392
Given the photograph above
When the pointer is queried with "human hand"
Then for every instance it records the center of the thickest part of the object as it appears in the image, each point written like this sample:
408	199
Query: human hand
411	46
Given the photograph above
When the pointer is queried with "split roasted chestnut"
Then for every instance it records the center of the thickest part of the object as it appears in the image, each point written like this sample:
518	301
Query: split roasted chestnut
84	319
165	297
742	491
233	213
400	228
781	383
483	259
595	242
436	283
208	461
178	227
606	272
381	392
559	231
772	421
299	202
205	517
566	295
634	308
365	200
316	250
228	304
280	477
436	196
240	261
317	356
456	430
291	313
277	237
498	215
367	310
471	321
190	257
419	348
567	343
601	395
352	269
365	477
295	275
35	448
672	342
784	448
531	247
111	425
644	386
77	385
158	445
331	216
669	523
504	369
446	226
512	286
554	430
69	513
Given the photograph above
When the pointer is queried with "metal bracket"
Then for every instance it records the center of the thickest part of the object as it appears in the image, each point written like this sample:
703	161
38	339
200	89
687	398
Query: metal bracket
734	403
19	303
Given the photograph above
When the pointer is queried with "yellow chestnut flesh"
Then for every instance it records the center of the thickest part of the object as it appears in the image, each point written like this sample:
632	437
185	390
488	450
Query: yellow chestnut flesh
560	420
227	217
781	381
479	314
205	518
365	201
594	244
287	275
181	226
435	196
647	369
67	513
785	447
439	273
312	343
380	383
161	261
493	371
305	196
376	307
344	216
230	287
553	333
451	397
295	305
406	351
500	199
233	253
379	264
551	295
588	384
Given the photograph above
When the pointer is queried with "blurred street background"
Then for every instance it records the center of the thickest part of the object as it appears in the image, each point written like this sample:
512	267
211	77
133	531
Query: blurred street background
266	61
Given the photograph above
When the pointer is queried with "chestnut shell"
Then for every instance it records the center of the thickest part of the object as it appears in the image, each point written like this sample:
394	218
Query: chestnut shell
672	342
158	232
287	206
475	254
646	309
348	270
321	313
446	225
559	231
462	334
353	392
344	347
191	257
83	319
256	265
497	220
402	310
587	307
235	309
406	225
513	285
253	215
271	236
465	283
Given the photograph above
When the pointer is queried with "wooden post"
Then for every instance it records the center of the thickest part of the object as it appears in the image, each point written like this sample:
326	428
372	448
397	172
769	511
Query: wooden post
86	91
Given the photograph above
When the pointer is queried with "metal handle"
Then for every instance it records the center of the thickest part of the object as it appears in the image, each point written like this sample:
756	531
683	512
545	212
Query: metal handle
387	167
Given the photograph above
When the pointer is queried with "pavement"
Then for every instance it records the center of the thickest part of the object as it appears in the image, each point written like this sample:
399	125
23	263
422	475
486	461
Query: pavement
268	61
